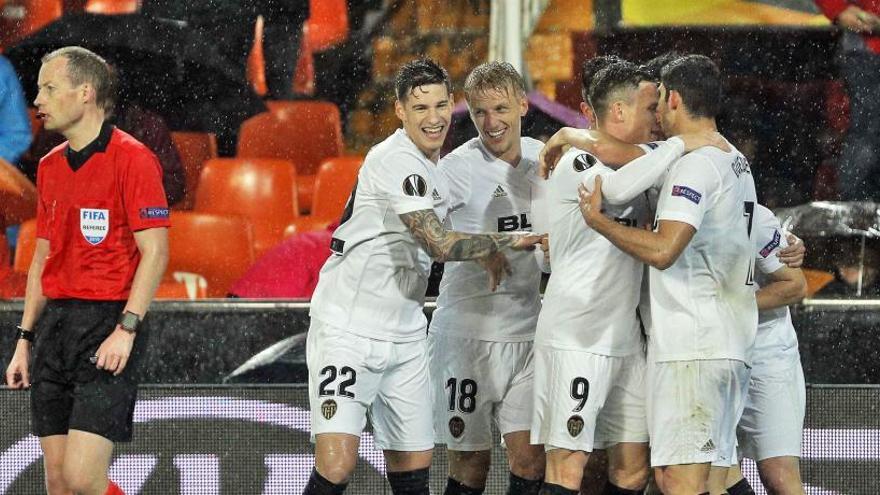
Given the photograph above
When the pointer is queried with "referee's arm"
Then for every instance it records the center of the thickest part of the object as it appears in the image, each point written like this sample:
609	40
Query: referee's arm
34	301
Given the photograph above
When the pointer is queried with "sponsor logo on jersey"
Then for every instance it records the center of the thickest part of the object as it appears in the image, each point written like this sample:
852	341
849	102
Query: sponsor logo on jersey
583	161
499	192
328	408
456	427
415	185
773	244
687	193
514	222
709	446
152	212
575	425
94	224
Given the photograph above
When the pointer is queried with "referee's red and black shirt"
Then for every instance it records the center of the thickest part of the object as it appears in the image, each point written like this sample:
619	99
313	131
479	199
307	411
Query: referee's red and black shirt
90	203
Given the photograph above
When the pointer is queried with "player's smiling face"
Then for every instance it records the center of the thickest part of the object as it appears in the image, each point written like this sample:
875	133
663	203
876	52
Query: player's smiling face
497	114
425	114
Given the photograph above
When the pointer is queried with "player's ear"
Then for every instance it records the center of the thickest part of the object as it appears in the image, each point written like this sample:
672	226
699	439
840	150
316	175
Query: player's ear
523	105
674	99
399	111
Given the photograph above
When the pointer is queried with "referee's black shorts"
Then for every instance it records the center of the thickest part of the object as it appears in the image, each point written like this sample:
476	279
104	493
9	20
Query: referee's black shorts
67	391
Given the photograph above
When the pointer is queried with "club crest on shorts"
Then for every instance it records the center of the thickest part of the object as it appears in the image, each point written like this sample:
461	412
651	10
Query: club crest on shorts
575	425
456	427
94	224
328	408
415	185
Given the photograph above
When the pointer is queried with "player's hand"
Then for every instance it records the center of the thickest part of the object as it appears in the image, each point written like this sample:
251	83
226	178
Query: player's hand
792	255
17	371
545	246
858	20
591	203
694	140
113	354
498	267
525	242
553	150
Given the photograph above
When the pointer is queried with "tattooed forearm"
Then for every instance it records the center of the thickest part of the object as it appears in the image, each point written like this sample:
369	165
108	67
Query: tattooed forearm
447	245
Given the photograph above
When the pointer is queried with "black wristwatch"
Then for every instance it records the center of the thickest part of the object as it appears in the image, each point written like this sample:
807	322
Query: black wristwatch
129	321
24	333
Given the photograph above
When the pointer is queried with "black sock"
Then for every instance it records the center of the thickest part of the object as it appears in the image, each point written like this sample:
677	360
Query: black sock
455	487
551	489
319	485
742	487
413	482
522	486
612	489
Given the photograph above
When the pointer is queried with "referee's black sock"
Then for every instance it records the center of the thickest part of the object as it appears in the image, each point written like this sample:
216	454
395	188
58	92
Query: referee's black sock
522	486
455	487
319	485
413	482
742	487
612	489
551	489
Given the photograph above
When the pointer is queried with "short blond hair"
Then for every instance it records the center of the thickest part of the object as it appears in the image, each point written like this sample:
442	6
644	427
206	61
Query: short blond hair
493	76
86	66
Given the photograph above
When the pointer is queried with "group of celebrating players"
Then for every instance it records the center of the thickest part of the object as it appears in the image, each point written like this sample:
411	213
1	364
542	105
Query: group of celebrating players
664	338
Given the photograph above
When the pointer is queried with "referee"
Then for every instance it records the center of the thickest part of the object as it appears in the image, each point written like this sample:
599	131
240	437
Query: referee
102	247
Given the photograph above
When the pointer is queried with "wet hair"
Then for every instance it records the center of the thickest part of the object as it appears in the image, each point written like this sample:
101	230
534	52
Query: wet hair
493	76
698	81
589	70
420	72
85	66
612	82
654	67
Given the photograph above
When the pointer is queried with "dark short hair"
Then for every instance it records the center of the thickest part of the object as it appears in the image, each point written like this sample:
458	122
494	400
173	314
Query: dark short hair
589	70
698	81
654	67
420	72
611	81
85	66
497	76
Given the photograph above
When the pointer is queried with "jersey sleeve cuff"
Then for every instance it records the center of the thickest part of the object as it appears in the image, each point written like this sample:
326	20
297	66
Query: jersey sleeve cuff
678	216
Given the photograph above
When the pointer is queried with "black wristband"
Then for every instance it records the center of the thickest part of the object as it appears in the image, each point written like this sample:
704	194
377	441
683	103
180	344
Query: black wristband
25	334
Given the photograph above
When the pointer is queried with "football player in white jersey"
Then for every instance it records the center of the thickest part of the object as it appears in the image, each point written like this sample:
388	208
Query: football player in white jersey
366	347
704	314
589	353
480	341
771	428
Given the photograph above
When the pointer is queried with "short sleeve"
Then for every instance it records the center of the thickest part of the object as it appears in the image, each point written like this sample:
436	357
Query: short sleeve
407	182
143	194
42	209
457	173
769	239
693	186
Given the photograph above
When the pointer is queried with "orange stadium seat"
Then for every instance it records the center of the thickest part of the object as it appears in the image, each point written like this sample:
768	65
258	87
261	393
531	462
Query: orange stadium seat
256	64
182	285
25	246
816	279
195	149
29	16
112	6
326	26
280	133
18	195
219	248
333	186
261	190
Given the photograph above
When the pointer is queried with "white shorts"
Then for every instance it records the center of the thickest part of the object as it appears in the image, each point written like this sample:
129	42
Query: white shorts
693	409
773	420
585	401
350	375
477	382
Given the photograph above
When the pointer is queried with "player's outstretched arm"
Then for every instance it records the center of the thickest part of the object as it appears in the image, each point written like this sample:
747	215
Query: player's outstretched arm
788	287
449	245
659	249
612	151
